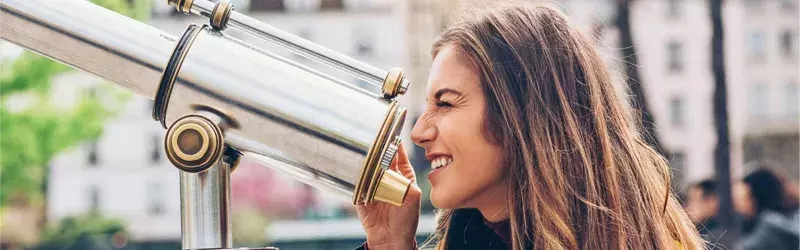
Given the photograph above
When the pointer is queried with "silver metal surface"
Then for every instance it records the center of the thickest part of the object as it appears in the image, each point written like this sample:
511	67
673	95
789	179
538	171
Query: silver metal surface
90	38
319	128
288	41
323	129
205	208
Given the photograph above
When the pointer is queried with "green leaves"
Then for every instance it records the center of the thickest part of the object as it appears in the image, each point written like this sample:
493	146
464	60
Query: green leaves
37	130
91	231
29	72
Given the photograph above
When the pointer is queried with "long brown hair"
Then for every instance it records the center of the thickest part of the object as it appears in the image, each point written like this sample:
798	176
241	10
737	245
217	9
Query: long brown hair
579	173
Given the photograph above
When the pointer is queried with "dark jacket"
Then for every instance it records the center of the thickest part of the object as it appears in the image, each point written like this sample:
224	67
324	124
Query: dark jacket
774	231
469	230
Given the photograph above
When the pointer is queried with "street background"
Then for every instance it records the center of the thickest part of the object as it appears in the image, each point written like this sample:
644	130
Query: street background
83	163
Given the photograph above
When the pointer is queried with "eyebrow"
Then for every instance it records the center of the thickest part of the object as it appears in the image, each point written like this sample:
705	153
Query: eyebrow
443	91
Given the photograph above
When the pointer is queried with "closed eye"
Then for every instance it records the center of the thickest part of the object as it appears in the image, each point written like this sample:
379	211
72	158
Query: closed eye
443	104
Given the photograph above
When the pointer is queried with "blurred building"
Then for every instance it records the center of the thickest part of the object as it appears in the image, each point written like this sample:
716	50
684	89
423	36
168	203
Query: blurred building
673	43
125	174
763	67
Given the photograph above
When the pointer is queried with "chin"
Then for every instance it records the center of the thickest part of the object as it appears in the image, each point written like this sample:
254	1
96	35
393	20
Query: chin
442	200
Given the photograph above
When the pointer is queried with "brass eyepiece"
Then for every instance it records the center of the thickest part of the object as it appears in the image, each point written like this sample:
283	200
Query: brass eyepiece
194	143
392	188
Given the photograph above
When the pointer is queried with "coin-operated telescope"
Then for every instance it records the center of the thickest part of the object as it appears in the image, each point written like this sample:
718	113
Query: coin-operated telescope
222	99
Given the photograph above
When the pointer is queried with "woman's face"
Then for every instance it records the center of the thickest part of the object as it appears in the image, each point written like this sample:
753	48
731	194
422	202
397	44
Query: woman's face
468	170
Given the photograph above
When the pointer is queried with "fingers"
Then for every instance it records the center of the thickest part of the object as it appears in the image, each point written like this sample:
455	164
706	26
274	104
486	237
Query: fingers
402	166
402	156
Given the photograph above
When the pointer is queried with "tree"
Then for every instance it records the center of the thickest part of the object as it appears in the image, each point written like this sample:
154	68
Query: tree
33	133
722	161
90	231
635	85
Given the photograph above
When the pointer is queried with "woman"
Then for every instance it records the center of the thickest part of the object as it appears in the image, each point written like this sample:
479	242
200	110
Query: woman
768	222
530	147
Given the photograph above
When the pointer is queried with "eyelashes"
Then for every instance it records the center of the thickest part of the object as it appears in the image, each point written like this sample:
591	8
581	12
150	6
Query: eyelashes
443	104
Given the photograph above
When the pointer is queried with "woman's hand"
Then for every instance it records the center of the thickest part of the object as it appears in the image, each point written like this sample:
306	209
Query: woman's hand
388	226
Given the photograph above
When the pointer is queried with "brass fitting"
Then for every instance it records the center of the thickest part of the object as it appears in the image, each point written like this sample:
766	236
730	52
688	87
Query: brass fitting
377	181
221	14
194	143
392	188
183	6
395	83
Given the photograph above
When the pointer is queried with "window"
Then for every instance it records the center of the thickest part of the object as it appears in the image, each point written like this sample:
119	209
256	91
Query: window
677	161
789	6
787	40
753	150
792	100
758	100
365	41
331	5
267	5
756	46
356	5
93	156
94	198
676	112
674	9
155	150
675	57
754	6
155	198
302	5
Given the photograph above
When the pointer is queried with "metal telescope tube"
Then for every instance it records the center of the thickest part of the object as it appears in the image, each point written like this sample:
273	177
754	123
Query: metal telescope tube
90	38
301	121
288	41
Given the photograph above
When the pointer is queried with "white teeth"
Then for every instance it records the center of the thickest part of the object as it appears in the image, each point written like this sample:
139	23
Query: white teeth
441	162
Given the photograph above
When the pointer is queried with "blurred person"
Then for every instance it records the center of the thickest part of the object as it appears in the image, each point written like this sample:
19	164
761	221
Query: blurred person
702	205
768	222
791	193
531	147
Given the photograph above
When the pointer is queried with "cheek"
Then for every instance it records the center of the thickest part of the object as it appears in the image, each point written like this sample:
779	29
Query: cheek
477	164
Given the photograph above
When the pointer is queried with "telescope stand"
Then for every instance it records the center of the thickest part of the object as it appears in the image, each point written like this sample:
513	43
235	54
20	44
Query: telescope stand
195	145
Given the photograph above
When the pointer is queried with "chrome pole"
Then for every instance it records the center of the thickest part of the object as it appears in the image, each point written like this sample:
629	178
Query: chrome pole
205	208
295	44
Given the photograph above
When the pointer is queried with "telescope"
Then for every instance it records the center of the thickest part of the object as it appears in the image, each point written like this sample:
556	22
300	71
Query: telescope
222	99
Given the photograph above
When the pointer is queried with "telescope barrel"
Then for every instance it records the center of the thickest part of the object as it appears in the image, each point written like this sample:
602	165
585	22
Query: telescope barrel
90	38
288	41
326	133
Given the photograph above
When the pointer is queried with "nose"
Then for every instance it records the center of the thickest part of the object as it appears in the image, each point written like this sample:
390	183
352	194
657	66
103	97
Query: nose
423	132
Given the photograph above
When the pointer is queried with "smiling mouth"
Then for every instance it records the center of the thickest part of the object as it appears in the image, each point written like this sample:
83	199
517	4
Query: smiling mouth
440	162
